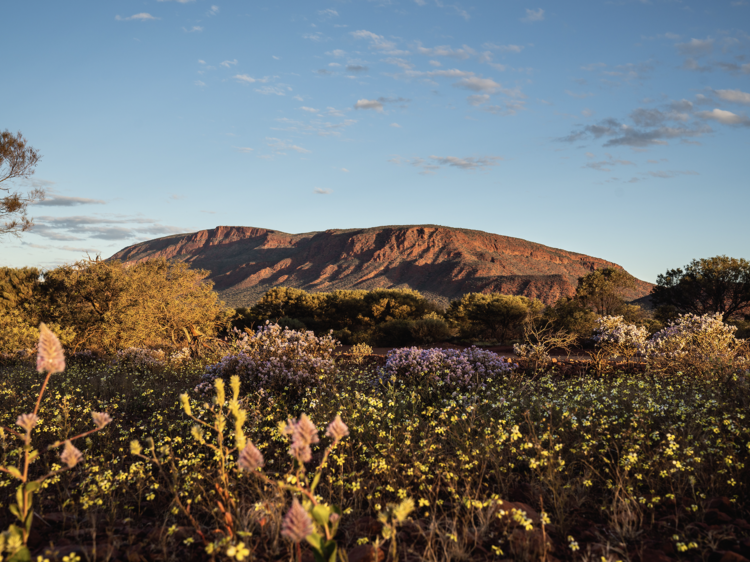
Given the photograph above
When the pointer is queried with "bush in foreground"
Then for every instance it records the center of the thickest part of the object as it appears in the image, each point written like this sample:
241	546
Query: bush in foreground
520	467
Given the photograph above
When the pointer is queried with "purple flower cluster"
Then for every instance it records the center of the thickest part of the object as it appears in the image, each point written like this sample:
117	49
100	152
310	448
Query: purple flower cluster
274	357
466	368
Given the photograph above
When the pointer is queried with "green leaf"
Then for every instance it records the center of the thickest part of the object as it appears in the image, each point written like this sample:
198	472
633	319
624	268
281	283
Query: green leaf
29	520
14	510
330	551
33	486
15	472
321	514
315	541
21	555
315	481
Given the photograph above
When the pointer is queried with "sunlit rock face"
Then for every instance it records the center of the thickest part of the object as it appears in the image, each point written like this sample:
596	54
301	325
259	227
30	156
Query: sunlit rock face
441	262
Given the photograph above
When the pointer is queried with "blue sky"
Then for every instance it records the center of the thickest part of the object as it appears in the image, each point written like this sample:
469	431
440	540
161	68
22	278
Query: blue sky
618	129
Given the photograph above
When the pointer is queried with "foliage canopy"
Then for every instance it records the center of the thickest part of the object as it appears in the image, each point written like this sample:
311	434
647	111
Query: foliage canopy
711	285
17	161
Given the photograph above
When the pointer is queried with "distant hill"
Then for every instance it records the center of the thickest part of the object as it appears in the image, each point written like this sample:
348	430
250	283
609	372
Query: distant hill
442	263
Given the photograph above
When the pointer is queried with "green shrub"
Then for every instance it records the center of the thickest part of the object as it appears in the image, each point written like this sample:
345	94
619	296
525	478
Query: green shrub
570	315
430	330
292	323
492	316
393	333
17	334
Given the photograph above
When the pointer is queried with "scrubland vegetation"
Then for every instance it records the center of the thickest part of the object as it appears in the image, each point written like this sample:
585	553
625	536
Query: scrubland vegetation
148	429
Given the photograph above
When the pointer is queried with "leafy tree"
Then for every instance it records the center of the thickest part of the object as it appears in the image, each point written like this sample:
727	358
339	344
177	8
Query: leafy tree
17	286
570	315
382	305
289	303
602	290
719	284
430	329
492	315
17	161
151	304
356	316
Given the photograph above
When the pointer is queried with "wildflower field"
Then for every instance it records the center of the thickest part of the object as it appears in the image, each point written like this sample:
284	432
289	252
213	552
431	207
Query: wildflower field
277	448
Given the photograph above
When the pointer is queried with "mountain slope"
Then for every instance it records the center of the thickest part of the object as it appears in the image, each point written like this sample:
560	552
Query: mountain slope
441	262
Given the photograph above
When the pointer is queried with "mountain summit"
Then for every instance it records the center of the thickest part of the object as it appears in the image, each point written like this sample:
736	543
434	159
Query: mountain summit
442	263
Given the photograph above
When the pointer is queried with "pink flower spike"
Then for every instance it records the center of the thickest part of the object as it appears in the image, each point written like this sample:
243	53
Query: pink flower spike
50	357
307	430
101	419
297	525
250	458
27	421
337	429
70	455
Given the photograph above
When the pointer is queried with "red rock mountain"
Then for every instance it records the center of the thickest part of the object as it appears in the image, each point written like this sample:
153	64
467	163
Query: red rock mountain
442	263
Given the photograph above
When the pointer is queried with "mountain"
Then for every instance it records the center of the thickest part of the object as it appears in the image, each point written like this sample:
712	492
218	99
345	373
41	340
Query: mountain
441	262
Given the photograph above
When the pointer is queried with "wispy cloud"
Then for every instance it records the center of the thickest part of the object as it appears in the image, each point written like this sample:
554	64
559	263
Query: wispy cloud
316	126
696	47
213	11
250	80
116	227
462	53
244	149
725	117
666	174
322	191
503	48
62	201
376	41
479	84
676	120
228	63
508	107
533	15
91	251
280	146
606	164
318	37
579	95
369	104
143	16
378	103
433	163
279	90
194	29
734	96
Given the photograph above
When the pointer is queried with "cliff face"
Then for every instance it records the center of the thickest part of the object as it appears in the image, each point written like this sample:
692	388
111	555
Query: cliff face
441	262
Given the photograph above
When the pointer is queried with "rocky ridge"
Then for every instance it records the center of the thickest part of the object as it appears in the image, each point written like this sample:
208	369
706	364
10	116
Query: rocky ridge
441	262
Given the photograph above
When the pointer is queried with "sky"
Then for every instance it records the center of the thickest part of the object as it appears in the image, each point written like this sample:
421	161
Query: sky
618	129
